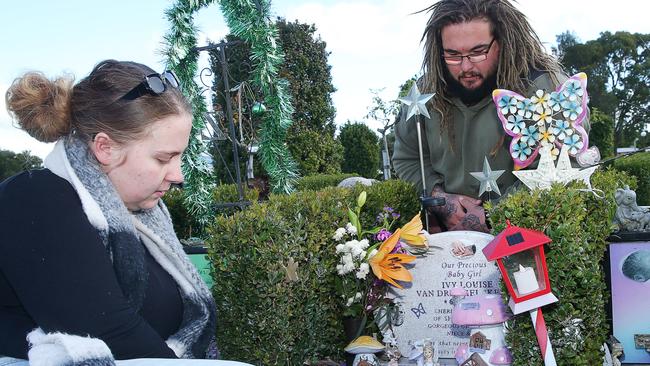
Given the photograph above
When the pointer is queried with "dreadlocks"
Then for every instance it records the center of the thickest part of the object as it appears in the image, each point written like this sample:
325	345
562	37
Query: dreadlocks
521	51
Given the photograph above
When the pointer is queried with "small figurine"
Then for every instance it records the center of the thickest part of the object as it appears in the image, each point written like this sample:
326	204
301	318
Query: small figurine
430	353
613	350
391	351
365	348
417	352
629	216
365	359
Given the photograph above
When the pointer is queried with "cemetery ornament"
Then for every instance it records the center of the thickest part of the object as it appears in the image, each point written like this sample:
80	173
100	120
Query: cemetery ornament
548	172
416	102
629	216
364	347
258	109
519	253
545	119
416	106
488	178
485	315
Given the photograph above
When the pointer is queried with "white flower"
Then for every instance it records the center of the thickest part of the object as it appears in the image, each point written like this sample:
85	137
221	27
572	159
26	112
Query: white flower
351	229
340	248
363	271
350	302
356	250
339	269
353	299
364	243
338	235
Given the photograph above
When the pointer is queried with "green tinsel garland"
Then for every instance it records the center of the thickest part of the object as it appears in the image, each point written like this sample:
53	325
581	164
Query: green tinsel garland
183	60
251	22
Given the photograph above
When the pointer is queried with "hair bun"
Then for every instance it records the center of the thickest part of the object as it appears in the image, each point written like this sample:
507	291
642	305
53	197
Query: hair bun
40	105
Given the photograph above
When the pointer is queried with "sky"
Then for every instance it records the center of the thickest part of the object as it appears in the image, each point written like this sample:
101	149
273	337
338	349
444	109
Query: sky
374	44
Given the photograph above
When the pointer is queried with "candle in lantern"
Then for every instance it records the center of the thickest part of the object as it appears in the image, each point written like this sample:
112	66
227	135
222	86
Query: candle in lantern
526	280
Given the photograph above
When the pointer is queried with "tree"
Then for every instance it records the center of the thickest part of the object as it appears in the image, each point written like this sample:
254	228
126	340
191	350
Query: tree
387	112
305	67
315	153
618	66
12	163
361	150
384	112
602	133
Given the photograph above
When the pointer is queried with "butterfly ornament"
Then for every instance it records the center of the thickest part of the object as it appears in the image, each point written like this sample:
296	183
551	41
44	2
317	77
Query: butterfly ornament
546	119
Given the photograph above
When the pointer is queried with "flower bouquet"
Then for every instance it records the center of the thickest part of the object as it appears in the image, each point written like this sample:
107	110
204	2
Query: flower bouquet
371	260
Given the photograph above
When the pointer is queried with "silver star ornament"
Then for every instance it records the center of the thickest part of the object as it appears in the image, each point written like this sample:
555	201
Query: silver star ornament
488	178
548	173
416	102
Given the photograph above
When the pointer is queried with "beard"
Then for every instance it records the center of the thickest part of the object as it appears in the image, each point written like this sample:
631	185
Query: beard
471	96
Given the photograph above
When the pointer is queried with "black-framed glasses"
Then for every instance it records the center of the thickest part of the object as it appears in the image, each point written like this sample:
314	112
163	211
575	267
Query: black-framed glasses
472	57
155	84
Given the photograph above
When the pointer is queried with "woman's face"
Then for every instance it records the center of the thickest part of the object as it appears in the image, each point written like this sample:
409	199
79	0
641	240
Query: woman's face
144	169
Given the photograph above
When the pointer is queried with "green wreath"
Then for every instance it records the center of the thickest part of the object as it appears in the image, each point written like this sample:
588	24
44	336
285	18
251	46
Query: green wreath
250	21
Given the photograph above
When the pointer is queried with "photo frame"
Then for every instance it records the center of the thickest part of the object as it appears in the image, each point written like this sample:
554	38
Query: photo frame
629	285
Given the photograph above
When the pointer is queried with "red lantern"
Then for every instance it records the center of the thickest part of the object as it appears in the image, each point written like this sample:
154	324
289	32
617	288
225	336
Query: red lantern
520	256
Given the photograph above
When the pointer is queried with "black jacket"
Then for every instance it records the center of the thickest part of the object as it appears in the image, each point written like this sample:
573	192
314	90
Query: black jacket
56	274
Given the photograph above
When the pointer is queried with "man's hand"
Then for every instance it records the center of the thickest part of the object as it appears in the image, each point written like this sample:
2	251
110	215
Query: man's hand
459	212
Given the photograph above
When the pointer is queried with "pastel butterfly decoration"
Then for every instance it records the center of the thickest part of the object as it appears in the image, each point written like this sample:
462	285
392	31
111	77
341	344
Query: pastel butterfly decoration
553	119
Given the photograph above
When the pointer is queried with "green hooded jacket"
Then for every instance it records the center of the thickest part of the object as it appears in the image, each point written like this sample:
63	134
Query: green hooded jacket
477	131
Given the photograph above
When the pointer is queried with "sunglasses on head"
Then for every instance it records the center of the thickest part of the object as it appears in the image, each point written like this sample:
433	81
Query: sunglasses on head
155	84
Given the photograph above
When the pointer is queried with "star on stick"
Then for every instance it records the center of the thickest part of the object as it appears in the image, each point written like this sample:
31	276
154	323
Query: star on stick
416	102
488	178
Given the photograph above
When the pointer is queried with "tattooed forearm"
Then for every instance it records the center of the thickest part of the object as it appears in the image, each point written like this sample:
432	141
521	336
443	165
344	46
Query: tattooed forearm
449	209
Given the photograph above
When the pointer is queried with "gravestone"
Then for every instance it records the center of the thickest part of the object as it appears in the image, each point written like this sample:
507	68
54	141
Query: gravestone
424	304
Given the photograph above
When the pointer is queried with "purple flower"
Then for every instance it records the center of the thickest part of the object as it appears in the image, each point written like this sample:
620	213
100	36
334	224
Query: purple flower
395	215
388	209
382	235
398	248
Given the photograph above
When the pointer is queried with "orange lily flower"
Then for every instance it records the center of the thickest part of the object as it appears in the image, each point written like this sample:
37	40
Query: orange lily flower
412	233
387	266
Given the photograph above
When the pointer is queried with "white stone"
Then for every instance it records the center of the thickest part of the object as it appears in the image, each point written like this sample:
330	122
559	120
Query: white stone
425	304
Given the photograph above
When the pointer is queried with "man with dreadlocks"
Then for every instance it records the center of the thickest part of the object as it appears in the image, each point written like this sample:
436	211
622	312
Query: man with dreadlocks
471	48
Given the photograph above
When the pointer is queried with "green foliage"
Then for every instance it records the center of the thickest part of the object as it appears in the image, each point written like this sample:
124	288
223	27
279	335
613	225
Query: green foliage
638	166
578	223
228	193
251	23
315	153
12	163
361	149
186	225
265	318
180	57
310	80
618	68
320	181
602	133
310	84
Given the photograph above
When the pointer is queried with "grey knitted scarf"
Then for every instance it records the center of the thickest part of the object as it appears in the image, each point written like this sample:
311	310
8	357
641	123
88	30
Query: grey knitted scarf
122	232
